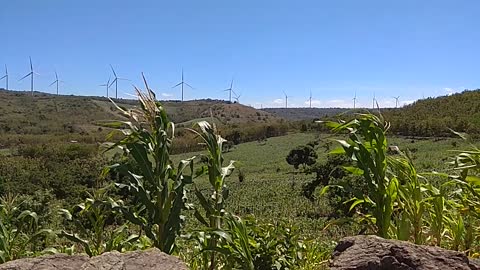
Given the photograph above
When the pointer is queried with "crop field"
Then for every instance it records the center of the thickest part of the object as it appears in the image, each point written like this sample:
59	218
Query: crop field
271	188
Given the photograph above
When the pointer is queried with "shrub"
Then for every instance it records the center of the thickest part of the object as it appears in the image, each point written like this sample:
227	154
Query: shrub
302	155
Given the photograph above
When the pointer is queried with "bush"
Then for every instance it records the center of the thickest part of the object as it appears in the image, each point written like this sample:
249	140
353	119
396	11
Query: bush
303	155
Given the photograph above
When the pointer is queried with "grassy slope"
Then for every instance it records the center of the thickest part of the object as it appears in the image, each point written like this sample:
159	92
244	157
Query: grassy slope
42	114
47	118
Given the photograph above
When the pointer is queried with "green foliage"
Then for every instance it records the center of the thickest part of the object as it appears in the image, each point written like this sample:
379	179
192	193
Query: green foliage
66	170
214	207
367	146
159	188
94	225
435	116
246	243
303	155
19	230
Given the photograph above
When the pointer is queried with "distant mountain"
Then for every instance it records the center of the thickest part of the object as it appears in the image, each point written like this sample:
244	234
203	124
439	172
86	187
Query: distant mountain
305	113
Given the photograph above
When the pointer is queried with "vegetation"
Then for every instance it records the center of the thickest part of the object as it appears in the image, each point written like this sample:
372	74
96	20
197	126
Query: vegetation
78	198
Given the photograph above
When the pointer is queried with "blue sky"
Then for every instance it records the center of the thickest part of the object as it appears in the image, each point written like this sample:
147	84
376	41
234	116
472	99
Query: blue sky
405	48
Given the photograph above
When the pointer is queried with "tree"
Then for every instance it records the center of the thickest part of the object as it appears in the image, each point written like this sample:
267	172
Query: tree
303	155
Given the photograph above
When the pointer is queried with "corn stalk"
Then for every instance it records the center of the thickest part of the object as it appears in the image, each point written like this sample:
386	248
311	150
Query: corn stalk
158	187
367	146
213	208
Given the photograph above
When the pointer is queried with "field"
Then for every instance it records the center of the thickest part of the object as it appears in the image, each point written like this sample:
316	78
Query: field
271	190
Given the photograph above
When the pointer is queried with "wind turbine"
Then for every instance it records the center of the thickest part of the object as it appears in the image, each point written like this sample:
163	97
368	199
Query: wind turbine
107	84
373	102
32	73
115	80
310	99
354	99
5	77
230	90
237	97
182	83
396	101
286	100
56	81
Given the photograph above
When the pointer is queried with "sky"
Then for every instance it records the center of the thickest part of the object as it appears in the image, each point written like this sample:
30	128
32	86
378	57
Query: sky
335	49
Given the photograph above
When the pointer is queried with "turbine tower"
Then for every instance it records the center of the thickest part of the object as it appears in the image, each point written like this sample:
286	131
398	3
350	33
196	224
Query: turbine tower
57	81
115	80
310	99
286	100
396	101
107	85
230	90
32	73
5	77
237	97
354	100
182	83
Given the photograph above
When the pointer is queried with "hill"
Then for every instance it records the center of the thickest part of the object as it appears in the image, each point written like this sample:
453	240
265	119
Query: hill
436	116
51	114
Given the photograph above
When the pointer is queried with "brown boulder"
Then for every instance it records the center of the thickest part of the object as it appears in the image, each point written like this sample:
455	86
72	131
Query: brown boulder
366	252
136	260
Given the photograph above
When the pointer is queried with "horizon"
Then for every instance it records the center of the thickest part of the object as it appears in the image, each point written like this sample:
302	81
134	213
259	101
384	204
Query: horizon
409	49
134	99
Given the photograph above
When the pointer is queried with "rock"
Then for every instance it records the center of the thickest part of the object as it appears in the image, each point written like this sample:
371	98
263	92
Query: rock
136	260
366	252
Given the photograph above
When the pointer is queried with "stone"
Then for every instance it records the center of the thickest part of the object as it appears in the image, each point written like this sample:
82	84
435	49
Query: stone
135	260
368	252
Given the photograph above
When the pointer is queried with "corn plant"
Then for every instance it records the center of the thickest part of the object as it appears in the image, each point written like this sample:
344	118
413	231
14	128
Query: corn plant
214	207
91	230
367	146
18	230
413	199
159	188
467	164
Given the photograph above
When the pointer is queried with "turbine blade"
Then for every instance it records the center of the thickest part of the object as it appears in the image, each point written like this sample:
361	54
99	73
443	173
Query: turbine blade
113	71
26	76
31	65
52	83
123	79
56	75
188	85
113	82
177	84
3	77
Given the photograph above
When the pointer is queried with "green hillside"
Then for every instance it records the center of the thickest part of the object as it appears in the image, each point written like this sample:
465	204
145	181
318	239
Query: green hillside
435	116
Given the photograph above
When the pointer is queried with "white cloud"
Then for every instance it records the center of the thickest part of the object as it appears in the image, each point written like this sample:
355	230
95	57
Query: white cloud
278	101
167	95
449	91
